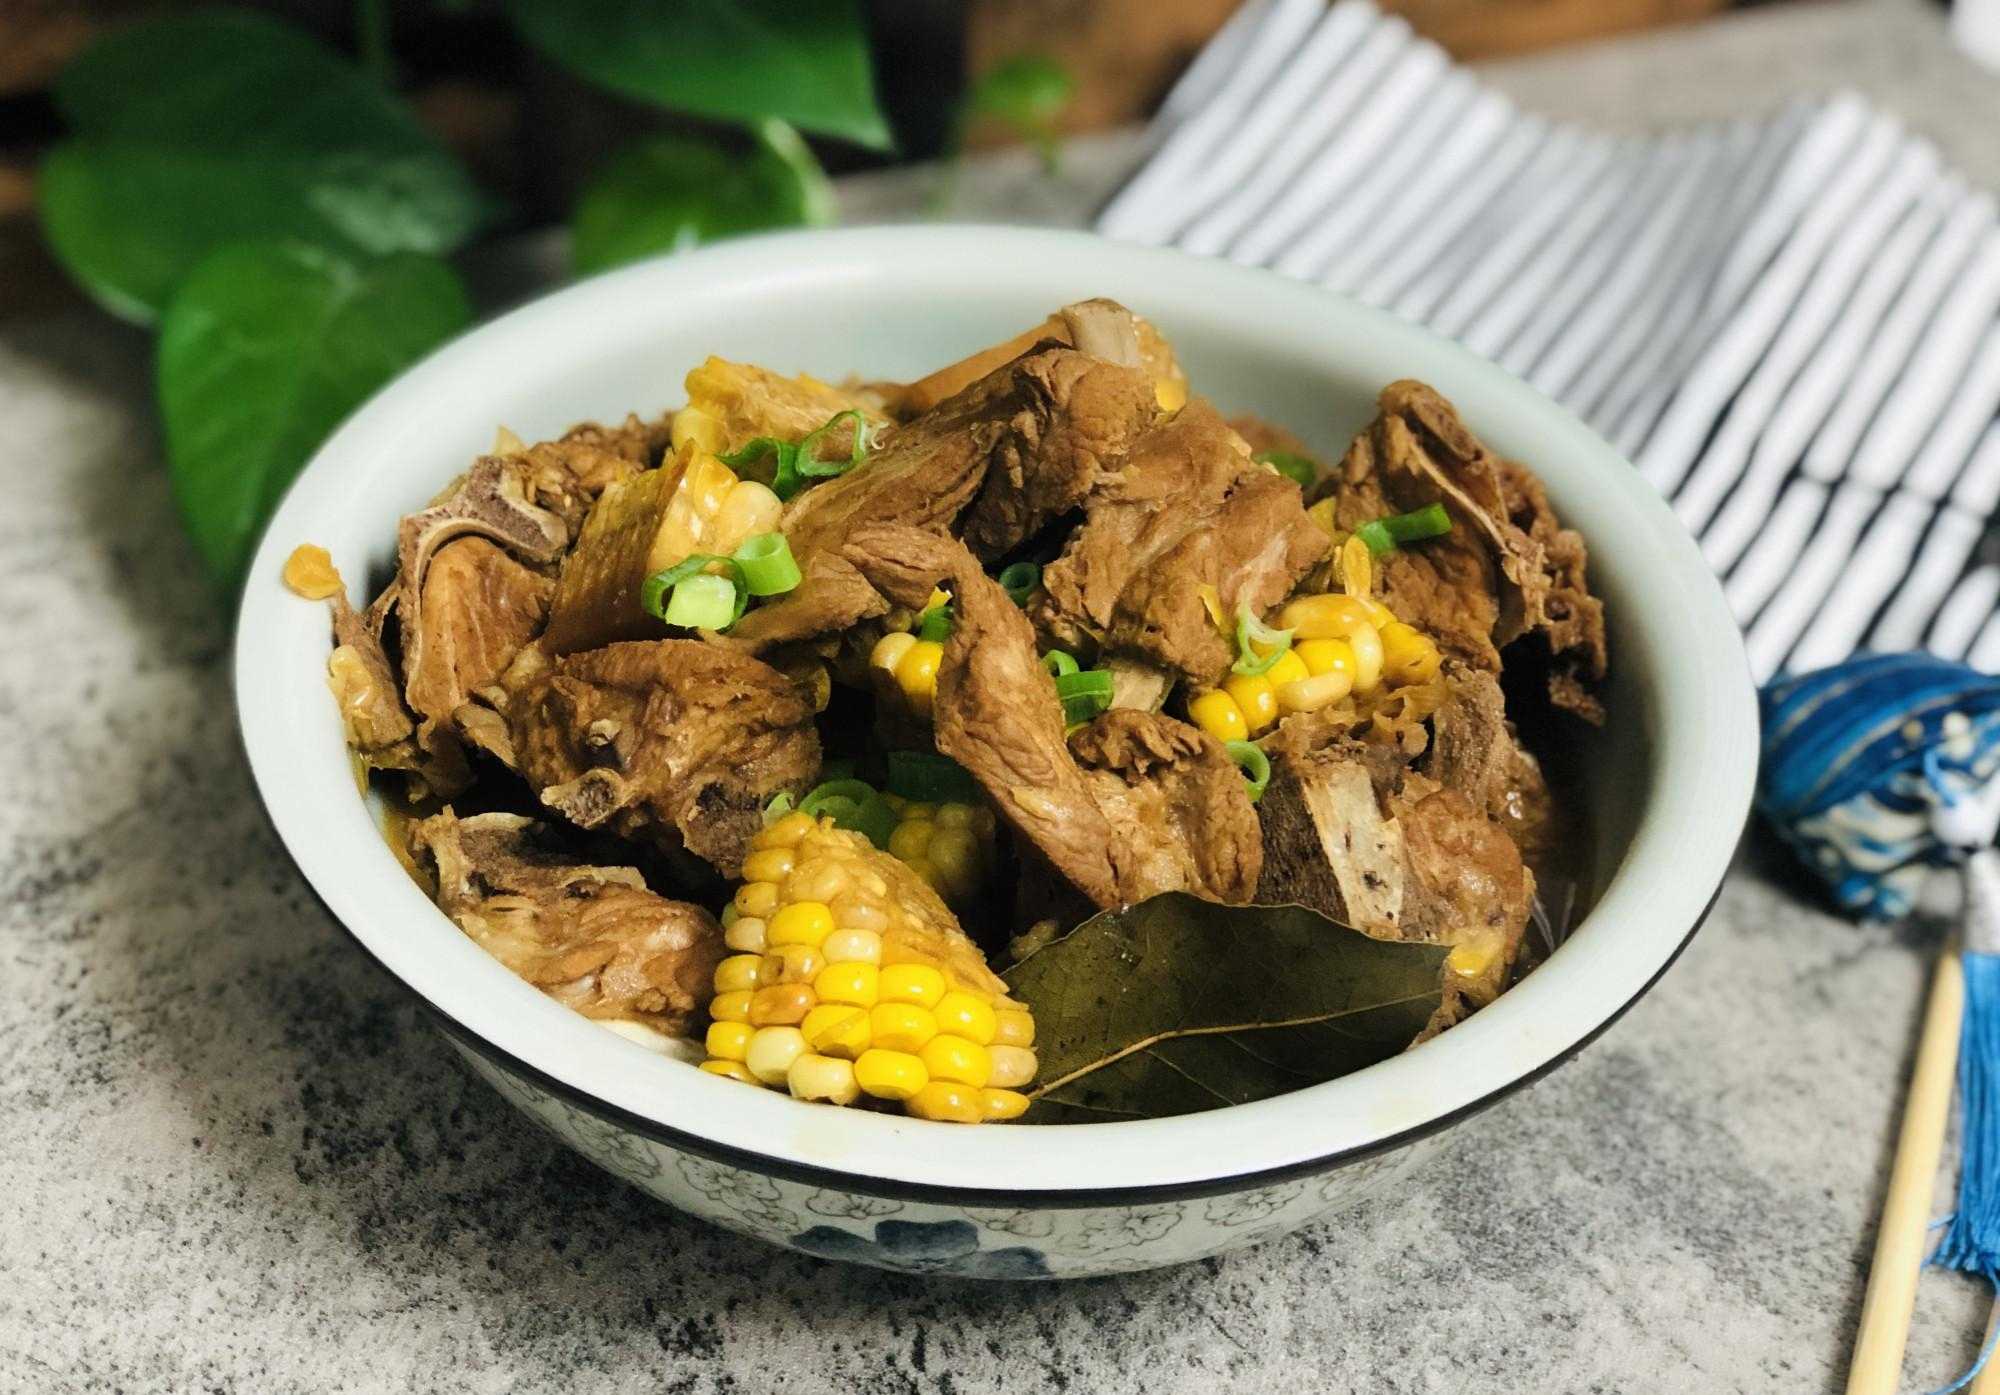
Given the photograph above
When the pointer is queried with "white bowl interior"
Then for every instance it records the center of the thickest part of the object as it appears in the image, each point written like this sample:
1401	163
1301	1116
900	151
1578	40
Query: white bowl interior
1670	779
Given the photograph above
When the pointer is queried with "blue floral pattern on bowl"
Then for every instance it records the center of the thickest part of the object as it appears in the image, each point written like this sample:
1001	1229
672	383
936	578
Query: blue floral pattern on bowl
925	1247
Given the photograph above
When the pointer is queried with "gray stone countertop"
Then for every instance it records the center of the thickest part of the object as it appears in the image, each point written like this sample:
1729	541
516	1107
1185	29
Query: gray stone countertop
233	1158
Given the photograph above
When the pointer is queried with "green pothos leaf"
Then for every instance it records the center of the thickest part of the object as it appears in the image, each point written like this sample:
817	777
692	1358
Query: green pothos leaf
673	192
1027	94
262	352
1177	1005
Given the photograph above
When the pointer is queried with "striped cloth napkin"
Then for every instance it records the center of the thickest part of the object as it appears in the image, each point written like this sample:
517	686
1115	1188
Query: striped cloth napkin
1791	325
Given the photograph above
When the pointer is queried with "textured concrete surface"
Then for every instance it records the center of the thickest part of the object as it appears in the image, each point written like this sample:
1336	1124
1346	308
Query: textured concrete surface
232	1157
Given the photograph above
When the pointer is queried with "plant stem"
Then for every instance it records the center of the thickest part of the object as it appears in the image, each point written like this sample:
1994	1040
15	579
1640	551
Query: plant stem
371	24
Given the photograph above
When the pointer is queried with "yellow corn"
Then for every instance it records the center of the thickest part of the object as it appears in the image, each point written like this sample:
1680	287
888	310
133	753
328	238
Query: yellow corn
693	425
1322	515
949	845
1219	714
866	985
1343	618
905	671
1342	644
1409	656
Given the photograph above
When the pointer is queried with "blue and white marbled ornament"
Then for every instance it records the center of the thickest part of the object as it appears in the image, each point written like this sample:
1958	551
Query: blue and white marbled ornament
1856	757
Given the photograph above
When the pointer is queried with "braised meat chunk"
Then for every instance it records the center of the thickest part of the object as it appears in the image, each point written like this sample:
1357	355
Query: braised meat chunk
1506	570
478	610
674	740
593	938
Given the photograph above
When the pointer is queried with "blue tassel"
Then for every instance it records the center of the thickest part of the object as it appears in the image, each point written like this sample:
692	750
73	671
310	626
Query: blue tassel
1972	1236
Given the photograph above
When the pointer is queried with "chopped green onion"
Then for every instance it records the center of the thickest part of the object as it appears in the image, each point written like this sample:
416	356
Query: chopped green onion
1084	694
769	569
799	462
754	451
1019	581
1255	764
1386	534
1296	468
1258	646
780	805
934	625
853	804
930	778
1058	663
704	602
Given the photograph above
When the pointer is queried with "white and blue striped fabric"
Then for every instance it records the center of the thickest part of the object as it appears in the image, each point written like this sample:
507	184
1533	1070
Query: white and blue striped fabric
1791	325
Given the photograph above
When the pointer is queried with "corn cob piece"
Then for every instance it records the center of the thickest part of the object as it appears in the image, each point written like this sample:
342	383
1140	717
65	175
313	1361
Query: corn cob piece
1342	645
693	503
950	845
851	979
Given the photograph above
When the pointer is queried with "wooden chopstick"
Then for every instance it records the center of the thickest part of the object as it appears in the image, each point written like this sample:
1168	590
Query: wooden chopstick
1906	1211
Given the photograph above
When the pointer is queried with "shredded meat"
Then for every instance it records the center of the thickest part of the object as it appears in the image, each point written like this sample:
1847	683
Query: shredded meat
380	729
588	459
1054	404
1101	328
1178	801
479	609
594	938
1187	509
675	740
1474	750
1507	569
1114	831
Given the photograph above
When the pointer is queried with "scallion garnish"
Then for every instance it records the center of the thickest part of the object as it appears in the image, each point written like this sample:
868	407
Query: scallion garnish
768	566
853	804
1058	662
1386	534
780	805
1296	468
1084	694
929	778
687	594
1258	646
1256	766
1019	580
798	461
704	601
934	625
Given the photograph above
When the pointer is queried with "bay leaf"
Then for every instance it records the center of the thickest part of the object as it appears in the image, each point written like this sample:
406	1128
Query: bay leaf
1177	1005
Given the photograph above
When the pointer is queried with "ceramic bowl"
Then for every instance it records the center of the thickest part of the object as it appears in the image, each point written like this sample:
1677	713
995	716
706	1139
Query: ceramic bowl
1669	777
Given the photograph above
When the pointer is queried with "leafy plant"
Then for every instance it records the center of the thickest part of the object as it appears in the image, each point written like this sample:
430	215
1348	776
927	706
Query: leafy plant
1178	1004
671	193
201	130
804	62
1027	94
263	350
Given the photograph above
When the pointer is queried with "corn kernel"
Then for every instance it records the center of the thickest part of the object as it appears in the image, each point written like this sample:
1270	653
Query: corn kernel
853	982
887	654
820	879
920	809
801	923
1326	616
731	1070
921	984
1319	690
900	1026
772	1051
1013	1028
1256	705
728	1041
890	1075
781	1004
965	1015
957	1060
1288	668
1170	394
954	816
792	964
747	509
758	899
1408	655
768	865
1379	613
787	831
1010	1066
911	839
1218	714
1325	655
837	1029
947	1102
1471	958
860	910
745	934
1001	1105
733	1006
916	675
851	946
739	973
816	1077
692	424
